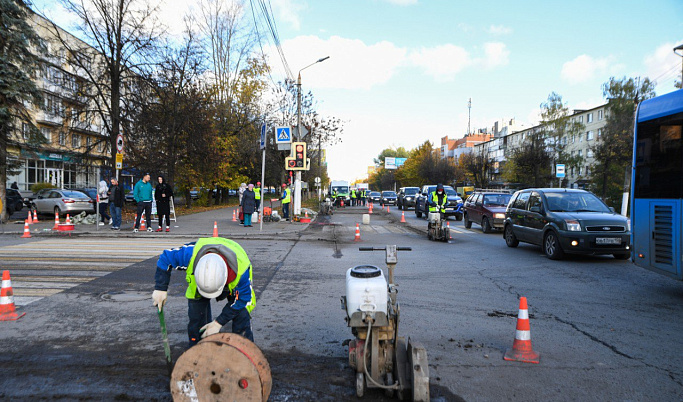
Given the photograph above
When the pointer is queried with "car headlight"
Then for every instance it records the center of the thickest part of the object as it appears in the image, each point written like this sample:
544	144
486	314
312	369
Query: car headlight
409	198
628	225
459	201
499	216
573	225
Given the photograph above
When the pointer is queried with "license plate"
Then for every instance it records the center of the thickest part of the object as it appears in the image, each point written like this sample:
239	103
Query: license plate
608	240
449	209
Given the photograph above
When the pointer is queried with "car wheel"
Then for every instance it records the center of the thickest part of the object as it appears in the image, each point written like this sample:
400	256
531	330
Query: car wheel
510	238
551	246
418	213
485	225
468	223
58	211
622	256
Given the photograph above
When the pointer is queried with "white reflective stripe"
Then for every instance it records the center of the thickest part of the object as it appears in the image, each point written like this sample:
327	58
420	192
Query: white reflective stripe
523	314
6	300
523	335
7	284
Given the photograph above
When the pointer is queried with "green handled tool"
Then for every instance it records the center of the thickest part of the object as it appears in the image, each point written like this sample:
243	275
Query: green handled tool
164	337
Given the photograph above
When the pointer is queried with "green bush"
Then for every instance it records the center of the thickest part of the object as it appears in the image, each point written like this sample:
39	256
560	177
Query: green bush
39	186
203	199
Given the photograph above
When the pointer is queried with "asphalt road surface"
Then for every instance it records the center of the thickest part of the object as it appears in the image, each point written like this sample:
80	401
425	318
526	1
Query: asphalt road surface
605	329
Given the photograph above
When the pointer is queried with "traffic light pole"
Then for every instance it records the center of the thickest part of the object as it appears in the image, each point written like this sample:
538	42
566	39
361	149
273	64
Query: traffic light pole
297	182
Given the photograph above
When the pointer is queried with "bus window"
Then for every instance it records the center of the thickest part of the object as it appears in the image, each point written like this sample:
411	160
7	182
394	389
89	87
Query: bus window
658	162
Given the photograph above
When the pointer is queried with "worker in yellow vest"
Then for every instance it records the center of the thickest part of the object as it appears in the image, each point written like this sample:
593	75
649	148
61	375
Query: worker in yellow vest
257	191
286	199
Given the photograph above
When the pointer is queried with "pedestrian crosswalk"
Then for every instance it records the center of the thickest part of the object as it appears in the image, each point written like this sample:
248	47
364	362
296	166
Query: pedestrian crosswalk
45	267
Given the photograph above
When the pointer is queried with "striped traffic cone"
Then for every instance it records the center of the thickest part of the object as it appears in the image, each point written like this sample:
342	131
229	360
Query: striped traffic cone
56	227
30	218
143	226
387	207
521	348
357	238
234	216
35	216
68	219
403	217
215	229
370	209
27	231
448	226
8	311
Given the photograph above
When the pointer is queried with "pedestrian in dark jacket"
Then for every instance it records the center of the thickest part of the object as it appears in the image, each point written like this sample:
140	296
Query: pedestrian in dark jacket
163	195
115	203
248	204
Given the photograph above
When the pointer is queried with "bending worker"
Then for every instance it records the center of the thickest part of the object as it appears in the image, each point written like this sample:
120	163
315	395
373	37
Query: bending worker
438	200
216	267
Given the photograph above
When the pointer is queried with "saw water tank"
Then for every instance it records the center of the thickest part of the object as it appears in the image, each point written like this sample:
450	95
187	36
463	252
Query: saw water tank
366	289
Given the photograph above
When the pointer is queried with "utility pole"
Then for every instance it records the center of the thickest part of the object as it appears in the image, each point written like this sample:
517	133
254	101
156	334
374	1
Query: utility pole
469	115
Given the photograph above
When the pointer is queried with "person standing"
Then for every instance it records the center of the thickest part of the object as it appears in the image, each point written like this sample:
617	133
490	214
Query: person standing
102	205
286	198
257	193
143	196
240	192
216	268
248	204
163	194
115	203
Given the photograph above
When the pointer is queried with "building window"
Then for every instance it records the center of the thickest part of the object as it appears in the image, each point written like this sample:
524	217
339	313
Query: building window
75	140
599	115
589	118
599	132
25	131
579	170
580	138
572	154
580	155
587	171
47	134
589	153
572	171
62	138
573	139
100	145
589	135
580	119
88	142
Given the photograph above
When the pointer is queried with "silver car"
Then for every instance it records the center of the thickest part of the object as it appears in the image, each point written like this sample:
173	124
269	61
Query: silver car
63	201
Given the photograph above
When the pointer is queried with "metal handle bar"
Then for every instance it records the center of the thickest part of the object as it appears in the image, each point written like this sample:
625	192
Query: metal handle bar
384	249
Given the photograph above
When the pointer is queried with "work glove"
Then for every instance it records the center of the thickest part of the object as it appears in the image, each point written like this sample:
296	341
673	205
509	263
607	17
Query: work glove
223	295
209	329
159	297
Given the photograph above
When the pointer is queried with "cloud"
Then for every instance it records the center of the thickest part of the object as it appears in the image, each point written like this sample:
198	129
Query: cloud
442	62
353	64
584	68
496	55
288	12
499	30
663	65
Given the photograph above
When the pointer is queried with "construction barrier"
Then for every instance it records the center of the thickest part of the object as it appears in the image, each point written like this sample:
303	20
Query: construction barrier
521	348
8	311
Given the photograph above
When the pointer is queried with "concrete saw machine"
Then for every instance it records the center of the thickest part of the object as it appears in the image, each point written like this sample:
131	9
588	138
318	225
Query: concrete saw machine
437	229
381	358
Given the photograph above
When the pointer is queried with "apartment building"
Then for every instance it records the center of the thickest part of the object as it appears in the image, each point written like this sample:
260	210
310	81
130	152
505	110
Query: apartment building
593	120
454	148
74	143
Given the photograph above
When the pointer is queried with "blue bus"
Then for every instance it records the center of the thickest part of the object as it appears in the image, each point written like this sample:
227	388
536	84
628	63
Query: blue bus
657	185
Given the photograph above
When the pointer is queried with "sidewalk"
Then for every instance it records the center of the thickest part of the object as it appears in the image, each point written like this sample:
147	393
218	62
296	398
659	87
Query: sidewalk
192	225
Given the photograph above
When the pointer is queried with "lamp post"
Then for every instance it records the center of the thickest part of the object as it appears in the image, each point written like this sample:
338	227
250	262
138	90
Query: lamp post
677	49
297	183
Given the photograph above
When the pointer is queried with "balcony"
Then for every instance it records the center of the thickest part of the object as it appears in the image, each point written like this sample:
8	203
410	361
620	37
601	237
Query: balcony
85	126
49	118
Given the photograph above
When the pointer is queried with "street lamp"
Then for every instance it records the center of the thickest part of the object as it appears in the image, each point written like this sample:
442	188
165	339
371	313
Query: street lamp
297	183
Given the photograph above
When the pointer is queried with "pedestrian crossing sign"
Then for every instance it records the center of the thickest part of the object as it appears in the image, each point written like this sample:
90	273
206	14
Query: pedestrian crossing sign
283	135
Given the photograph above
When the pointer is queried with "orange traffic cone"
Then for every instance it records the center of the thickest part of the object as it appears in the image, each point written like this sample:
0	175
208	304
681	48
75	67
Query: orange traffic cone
7	310
370	209
30	218
357	238
403	217
387	207
68	219
56	227
306	214
143	226
27	231
35	216
521	348
234	216
448	226
215	229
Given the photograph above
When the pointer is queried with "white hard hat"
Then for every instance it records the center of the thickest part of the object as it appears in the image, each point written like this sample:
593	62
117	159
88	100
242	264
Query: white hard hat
211	274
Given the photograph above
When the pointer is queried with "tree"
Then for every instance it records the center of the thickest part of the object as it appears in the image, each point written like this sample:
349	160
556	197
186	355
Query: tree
530	164
123	34
399	152
17	89
557	127
613	151
476	165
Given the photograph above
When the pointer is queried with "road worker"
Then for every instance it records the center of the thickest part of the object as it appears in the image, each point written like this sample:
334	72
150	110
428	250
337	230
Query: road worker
215	268
438	199
286	199
353	197
257	191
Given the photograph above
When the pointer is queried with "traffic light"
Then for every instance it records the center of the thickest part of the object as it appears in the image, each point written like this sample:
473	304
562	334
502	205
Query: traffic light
298	160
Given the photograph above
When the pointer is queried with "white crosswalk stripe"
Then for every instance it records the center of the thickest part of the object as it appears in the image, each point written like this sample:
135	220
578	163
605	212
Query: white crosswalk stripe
42	268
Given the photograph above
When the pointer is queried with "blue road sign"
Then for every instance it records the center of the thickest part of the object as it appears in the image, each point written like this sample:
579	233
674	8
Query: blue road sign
559	170
283	135
264	127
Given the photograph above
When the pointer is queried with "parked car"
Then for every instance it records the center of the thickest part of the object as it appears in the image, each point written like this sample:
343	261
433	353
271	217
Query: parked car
13	201
387	198
89	191
129	197
406	197
566	221
374	196
63	201
453	208
486	209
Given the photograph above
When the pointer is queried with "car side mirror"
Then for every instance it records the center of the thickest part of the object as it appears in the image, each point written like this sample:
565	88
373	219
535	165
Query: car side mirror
458	194
535	209
613	210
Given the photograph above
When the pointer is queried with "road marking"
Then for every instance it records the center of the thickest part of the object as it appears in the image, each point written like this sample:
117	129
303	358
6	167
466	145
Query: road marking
43	268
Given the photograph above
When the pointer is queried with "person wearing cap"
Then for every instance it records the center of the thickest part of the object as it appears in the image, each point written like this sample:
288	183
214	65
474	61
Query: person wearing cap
142	192
286	198
215	268
257	193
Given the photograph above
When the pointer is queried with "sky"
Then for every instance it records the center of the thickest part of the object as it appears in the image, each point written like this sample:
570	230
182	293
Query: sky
401	72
